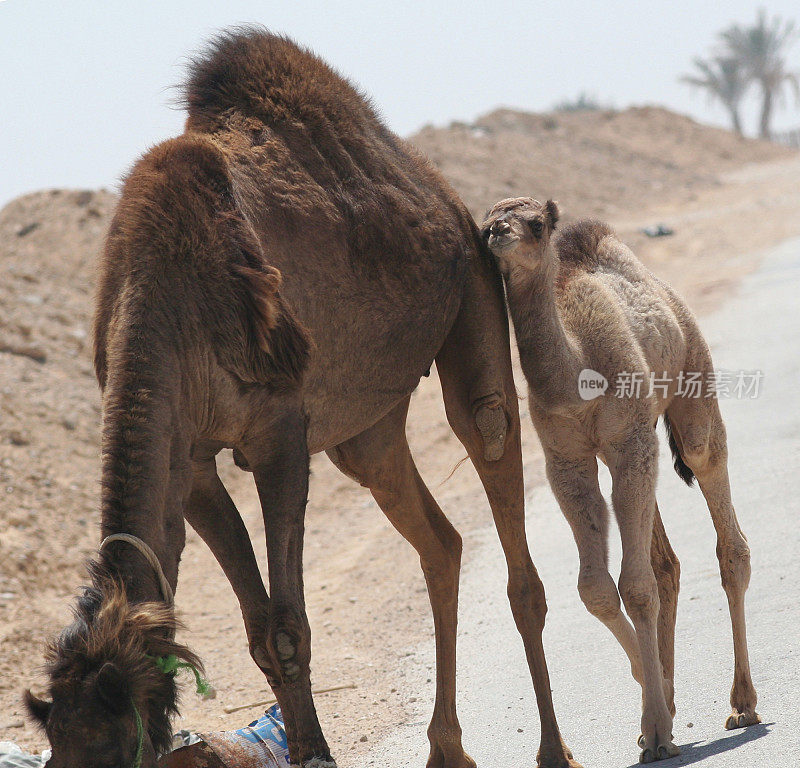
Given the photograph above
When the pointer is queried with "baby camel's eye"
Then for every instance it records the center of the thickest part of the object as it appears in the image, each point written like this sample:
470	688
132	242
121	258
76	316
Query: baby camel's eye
537	226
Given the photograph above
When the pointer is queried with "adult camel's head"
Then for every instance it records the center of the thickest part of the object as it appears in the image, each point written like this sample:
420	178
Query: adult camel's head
110	700
518	232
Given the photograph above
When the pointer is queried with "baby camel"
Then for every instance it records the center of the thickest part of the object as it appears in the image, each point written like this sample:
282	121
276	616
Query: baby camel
589	307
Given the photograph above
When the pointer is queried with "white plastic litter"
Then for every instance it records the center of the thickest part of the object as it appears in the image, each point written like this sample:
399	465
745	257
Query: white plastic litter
182	739
11	756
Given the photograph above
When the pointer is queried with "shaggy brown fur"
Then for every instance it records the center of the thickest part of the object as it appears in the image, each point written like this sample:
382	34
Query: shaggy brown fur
178	231
287	212
327	155
106	661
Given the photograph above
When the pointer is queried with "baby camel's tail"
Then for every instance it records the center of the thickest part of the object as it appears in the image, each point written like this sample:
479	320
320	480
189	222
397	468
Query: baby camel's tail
683	470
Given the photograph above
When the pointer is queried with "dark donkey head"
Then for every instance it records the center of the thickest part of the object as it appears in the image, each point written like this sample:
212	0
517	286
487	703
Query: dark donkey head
111	703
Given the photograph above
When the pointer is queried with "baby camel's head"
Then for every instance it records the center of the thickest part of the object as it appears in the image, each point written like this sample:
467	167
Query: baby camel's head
518	231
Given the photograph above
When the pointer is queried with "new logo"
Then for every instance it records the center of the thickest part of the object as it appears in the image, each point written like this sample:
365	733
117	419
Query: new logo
591	384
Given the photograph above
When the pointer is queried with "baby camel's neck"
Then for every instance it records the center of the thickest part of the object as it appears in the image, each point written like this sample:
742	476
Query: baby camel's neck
551	361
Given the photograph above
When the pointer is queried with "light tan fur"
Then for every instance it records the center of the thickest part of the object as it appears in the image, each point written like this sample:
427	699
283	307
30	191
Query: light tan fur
588	303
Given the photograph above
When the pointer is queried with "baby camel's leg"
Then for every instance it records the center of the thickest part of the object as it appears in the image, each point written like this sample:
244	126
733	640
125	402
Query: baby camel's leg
700	435
574	483
633	464
667	569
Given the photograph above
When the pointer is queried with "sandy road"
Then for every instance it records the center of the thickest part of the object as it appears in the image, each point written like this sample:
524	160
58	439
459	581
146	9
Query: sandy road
596	699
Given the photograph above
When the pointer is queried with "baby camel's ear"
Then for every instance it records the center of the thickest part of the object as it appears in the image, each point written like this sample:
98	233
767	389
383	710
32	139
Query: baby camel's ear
552	213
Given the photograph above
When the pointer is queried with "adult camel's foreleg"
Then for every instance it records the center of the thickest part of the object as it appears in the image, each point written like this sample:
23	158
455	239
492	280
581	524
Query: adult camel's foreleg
212	513
380	460
279	459
481	403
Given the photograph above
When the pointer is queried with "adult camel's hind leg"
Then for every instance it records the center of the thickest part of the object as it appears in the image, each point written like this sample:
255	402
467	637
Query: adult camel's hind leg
701	439
478	386
212	513
380	460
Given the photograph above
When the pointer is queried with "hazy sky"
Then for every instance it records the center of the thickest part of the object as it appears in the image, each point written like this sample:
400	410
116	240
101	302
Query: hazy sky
86	86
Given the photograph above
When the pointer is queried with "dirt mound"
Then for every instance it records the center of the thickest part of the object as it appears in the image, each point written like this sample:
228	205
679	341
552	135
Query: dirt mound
49	399
50	415
595	163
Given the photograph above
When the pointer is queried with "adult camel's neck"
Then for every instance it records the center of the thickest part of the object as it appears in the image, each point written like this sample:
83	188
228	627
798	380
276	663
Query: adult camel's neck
144	465
551	361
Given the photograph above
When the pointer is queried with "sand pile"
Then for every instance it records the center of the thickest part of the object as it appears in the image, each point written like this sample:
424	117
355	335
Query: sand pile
600	163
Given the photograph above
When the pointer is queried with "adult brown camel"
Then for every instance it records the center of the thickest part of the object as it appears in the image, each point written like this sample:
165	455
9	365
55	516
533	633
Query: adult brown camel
588	306
276	280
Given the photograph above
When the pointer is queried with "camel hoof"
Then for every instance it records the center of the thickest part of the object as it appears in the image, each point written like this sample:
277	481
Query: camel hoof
562	761
741	720
438	760
557	759
668	750
662	752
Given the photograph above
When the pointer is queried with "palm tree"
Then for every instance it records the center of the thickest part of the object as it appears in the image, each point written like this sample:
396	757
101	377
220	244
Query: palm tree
726	81
761	49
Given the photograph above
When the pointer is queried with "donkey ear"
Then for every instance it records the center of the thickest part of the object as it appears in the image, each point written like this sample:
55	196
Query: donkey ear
38	709
112	688
552	213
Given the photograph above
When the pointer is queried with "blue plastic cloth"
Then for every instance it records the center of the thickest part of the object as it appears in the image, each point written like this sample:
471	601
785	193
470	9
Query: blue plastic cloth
269	730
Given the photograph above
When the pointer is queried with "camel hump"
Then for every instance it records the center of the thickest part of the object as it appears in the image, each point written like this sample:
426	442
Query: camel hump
268	76
178	237
578	243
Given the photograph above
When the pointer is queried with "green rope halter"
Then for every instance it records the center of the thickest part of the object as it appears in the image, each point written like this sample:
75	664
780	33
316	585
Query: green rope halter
137	758
171	665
